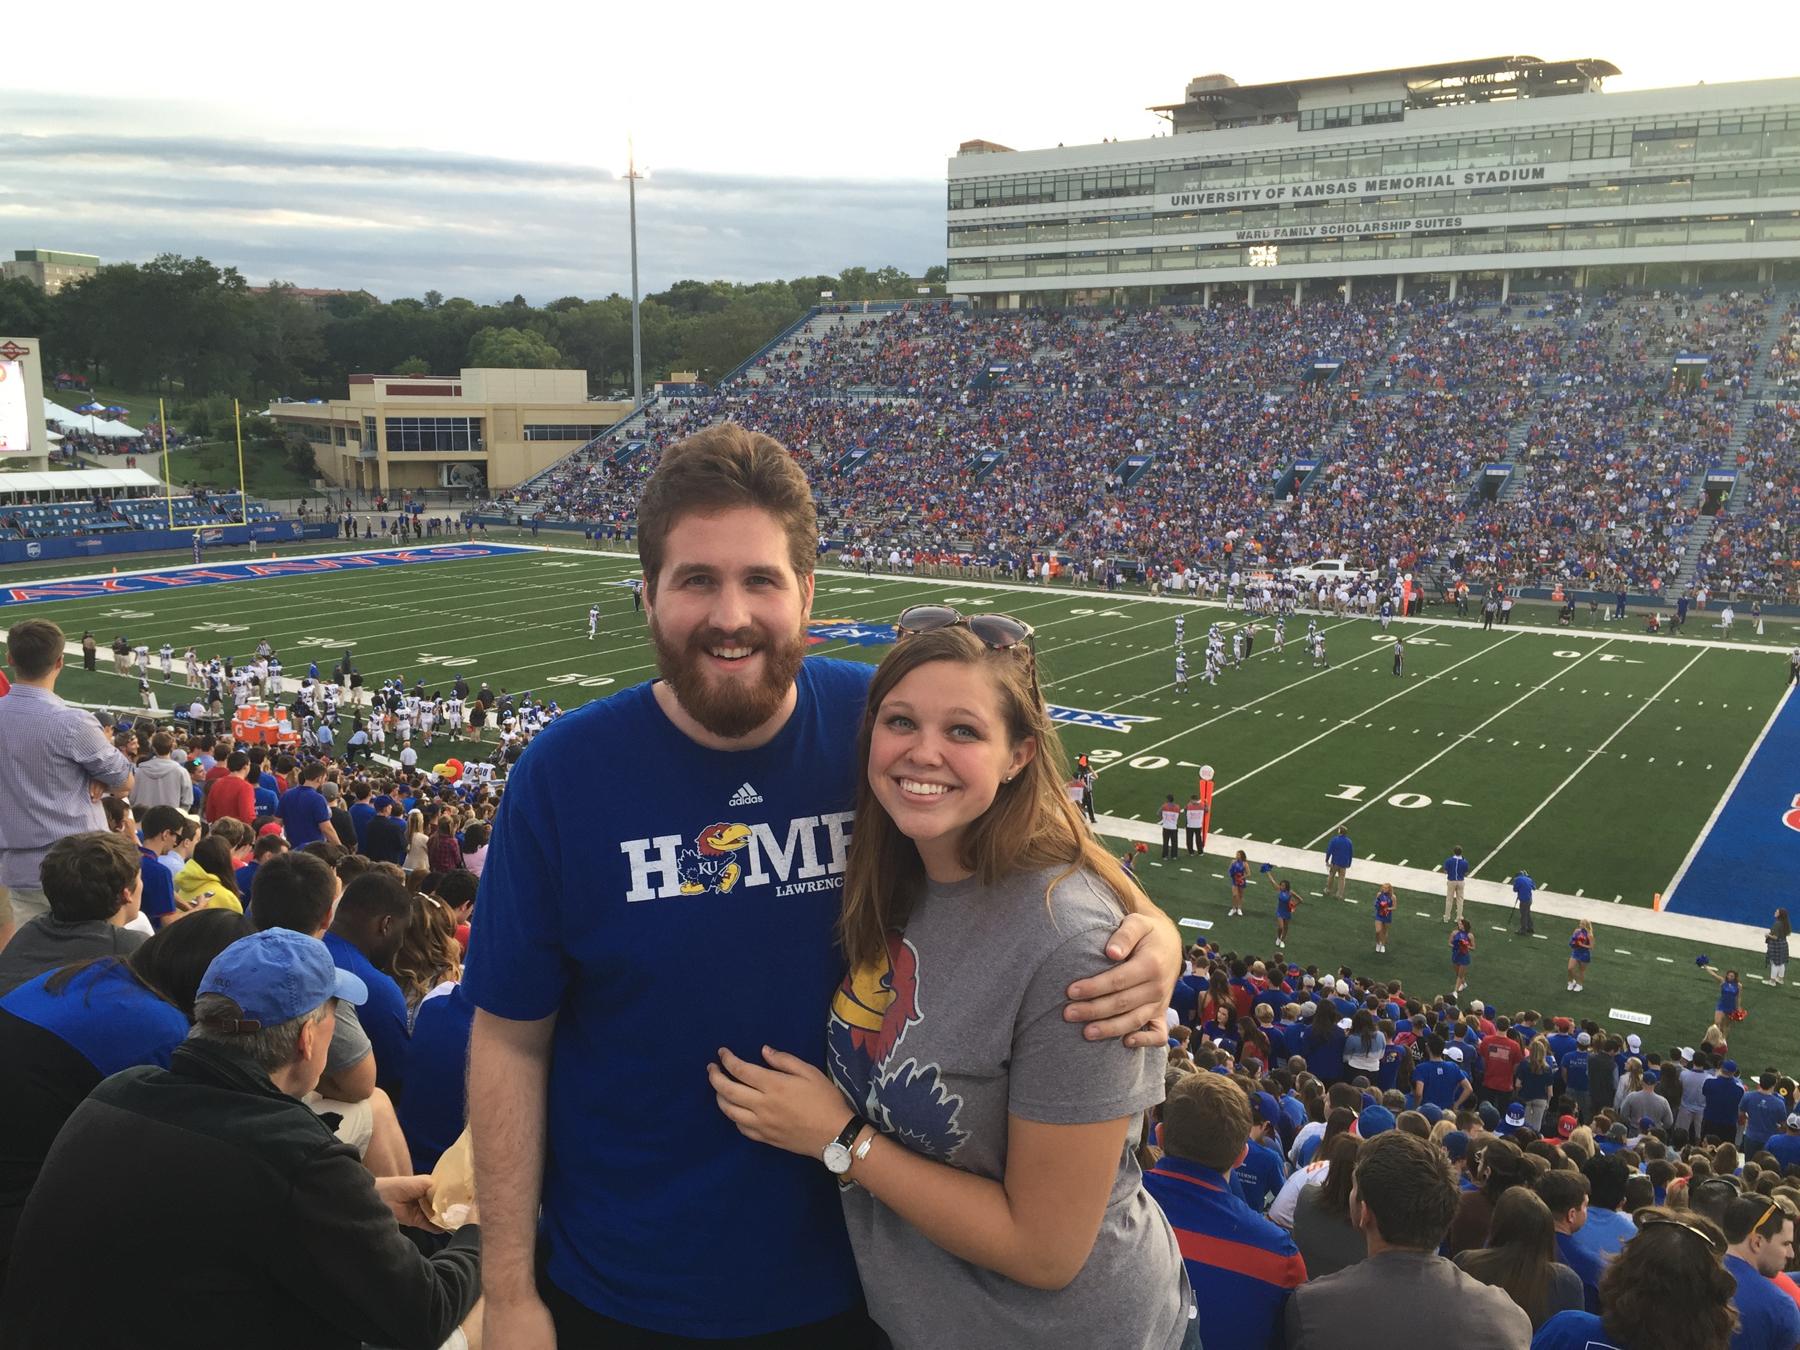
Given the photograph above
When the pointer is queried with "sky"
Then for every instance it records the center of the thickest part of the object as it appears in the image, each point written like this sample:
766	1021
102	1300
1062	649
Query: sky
477	149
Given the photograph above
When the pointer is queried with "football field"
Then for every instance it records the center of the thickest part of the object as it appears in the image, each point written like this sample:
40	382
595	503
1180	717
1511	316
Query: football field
1593	757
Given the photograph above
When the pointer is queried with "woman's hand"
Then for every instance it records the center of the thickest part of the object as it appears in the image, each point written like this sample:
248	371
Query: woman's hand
784	1101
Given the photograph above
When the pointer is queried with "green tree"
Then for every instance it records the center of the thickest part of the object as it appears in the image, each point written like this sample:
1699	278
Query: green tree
24	309
936	276
288	339
512	347
413	365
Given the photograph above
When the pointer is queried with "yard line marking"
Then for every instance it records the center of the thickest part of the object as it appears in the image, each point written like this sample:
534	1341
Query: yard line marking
1355	718
1385	792
1620	951
1592	756
1719	806
1669	960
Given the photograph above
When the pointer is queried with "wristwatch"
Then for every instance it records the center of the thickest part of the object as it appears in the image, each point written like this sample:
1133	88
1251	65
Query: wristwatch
836	1154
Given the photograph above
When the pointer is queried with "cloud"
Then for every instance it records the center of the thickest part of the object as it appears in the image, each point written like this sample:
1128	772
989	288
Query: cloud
400	221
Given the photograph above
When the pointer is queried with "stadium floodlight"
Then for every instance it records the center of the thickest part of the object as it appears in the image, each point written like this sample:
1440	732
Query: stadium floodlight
632	174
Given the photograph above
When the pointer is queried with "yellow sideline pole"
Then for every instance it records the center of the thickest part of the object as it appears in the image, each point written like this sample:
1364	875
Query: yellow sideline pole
237	416
162	424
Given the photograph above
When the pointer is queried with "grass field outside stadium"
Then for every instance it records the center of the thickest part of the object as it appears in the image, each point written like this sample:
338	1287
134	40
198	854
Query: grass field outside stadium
1593	756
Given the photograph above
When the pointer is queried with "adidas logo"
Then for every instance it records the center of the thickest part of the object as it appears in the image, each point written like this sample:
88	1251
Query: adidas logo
745	796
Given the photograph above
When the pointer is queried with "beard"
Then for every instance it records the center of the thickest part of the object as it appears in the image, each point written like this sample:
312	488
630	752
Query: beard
729	707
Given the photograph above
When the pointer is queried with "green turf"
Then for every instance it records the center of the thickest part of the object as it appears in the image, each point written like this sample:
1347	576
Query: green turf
1633	971
1527	749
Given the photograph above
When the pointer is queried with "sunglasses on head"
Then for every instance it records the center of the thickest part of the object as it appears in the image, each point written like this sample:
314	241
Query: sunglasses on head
997	632
1713	1243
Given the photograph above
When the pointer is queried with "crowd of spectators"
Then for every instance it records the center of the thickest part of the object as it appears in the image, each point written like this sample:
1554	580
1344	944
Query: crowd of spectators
940	431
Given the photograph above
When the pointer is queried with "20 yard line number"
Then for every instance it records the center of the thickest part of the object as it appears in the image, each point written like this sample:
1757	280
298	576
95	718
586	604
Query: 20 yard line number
1135	762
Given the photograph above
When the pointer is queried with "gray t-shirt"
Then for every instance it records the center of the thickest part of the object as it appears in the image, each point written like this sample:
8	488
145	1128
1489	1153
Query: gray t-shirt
349	1043
962	1027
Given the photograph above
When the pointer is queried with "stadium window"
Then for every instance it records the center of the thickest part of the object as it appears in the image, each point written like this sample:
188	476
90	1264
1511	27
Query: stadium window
552	431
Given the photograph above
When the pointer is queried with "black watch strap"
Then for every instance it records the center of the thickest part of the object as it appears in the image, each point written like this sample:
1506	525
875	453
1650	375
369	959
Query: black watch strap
847	1135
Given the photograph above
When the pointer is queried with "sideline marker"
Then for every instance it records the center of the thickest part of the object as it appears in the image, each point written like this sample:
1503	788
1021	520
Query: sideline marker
1656	903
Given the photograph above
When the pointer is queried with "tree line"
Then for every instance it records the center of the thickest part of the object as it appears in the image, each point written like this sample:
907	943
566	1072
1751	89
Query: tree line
189	327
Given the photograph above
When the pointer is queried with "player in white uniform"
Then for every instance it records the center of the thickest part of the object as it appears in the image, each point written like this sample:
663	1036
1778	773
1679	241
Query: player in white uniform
593	623
1387	614
1280	631
140	658
1237	649
454	717
1210	671
1318	649
193	669
1181	672
1180	631
274	677
166	654
427	718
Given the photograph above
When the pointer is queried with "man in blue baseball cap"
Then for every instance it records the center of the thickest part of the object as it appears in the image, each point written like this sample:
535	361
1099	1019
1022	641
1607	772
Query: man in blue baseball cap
270	1231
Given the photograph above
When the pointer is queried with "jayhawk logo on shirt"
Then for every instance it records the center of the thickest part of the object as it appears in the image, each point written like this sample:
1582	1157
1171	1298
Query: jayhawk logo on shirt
874	1008
711	864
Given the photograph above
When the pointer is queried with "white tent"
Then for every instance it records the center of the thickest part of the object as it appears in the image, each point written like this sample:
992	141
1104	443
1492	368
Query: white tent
93	426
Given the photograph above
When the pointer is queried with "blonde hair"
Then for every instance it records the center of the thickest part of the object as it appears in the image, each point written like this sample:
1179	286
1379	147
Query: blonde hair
1031	824
429	953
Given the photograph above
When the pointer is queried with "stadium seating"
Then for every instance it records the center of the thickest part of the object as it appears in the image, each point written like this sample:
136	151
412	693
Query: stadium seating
47	520
891	415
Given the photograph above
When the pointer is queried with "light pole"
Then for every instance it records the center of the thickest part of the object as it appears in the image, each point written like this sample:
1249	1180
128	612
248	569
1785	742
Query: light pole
637	338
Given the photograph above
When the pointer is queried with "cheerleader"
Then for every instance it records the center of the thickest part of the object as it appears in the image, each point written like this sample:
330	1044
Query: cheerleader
1730	989
1462	951
1581	951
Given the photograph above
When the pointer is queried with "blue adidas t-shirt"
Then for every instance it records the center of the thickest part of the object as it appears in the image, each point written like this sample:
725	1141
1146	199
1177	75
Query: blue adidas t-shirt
606	899
105	1014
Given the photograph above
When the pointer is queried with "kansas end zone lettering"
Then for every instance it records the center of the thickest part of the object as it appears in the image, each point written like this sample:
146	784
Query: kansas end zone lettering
1792	818
249	571
724	857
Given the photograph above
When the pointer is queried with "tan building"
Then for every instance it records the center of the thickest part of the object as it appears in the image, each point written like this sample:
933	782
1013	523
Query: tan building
48	269
483	428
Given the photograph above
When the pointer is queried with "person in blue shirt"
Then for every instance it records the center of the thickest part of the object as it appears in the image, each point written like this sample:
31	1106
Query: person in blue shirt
1242	1266
1587	1250
67	1029
734	821
434	1104
361	813
159	829
1761	1113
305	814
1324	1045
1456	872
1257	1179
1575	1074
370	923
1523	887
1339	854
1722	1093
1786	1145
1760	1230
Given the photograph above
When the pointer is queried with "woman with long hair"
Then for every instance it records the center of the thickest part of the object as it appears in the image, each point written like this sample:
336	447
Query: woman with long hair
429	953
1323	1044
474	845
1520	1258
418	843
1462	953
1775	943
1666	1289
989	1140
1534	1079
208	880
1327	1239
1498	1167
1364	1045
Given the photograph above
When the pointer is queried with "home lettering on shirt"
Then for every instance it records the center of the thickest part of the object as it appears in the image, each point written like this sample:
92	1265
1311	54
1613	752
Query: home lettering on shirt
727	855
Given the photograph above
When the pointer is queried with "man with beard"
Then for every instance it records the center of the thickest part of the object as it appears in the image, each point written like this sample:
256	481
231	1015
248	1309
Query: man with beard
587	1084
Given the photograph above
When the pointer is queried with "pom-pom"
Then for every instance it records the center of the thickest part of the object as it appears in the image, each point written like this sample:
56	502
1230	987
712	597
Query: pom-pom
1702	961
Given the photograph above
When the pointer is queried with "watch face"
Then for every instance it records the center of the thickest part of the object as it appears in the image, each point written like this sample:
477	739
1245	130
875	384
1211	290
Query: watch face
837	1158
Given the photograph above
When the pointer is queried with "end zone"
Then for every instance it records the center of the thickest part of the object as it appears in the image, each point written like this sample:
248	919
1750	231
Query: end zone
1743	865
